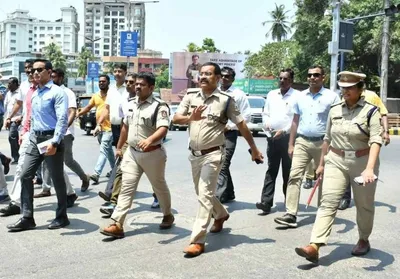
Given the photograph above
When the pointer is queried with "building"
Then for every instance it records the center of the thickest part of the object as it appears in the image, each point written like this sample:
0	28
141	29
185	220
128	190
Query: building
22	33
105	19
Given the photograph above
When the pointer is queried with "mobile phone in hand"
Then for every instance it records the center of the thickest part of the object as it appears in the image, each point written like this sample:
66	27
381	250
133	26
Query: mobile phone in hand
256	160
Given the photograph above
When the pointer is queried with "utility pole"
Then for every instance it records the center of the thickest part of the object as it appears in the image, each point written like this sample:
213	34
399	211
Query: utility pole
333	47
385	55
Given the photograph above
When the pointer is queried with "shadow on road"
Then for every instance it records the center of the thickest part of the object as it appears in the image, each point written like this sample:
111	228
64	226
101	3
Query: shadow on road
343	252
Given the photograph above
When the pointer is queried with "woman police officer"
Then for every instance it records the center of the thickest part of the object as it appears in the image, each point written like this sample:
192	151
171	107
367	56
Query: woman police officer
351	149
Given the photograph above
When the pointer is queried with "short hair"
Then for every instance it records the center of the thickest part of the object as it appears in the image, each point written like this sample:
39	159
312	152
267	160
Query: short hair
105	76
132	75
318	67
150	78
14	80
195	55
217	69
29	61
290	71
120	66
47	63
59	72
360	84
229	70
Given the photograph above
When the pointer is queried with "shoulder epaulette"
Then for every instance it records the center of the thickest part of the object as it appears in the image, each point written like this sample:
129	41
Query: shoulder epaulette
225	94
192	90
340	103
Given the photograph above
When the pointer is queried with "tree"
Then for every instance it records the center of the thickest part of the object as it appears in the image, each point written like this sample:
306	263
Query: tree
84	56
162	79
192	47
209	45
280	26
53	53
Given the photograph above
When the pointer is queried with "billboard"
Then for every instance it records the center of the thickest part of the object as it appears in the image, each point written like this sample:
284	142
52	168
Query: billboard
256	86
185	67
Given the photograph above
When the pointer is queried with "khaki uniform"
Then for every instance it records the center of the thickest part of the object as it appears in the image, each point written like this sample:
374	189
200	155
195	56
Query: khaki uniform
143	122
310	171
206	135
348	130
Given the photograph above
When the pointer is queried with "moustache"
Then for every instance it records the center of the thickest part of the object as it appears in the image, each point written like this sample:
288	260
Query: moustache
204	80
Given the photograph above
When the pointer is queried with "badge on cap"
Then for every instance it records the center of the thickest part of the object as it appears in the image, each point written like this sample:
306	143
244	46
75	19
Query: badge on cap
164	114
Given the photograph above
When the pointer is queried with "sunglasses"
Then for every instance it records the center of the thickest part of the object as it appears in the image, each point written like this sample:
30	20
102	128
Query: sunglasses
129	81
283	78
316	75
39	70
226	76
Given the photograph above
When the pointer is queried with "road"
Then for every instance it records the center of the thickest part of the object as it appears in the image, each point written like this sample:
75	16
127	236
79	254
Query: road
250	246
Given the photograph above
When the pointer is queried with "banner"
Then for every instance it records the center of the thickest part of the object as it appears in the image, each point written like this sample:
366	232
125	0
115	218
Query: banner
256	86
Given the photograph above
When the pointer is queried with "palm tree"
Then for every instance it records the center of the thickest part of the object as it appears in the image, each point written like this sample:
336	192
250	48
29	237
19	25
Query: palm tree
53	53
280	26
84	56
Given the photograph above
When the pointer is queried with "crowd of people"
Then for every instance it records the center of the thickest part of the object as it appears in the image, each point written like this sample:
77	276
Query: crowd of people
337	136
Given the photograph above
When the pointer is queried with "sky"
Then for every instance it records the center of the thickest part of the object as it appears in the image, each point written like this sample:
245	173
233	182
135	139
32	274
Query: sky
172	24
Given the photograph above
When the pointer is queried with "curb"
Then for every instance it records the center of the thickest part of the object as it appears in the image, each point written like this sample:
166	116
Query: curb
394	131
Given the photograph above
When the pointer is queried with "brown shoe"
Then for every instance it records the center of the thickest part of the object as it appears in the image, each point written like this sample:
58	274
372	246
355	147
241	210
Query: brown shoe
167	222
113	230
42	194
362	248
194	249
218	224
308	252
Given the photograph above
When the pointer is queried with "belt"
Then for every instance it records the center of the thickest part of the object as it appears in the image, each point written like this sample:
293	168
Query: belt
311	138
149	149
351	153
204	151
44	133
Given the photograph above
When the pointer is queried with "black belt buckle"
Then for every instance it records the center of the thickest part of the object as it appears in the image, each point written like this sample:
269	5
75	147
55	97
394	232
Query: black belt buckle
44	133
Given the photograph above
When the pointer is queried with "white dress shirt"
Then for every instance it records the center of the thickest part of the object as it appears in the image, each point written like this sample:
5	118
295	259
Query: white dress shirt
242	103
71	104
115	97
9	101
278	110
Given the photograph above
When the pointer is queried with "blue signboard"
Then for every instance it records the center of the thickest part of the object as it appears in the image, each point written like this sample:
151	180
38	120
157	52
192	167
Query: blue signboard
128	43
93	70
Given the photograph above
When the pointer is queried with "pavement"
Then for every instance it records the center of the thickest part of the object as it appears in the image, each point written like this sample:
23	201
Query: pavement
250	245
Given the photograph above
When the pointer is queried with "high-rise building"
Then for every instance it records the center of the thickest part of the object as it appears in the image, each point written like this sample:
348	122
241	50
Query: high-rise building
22	33
105	19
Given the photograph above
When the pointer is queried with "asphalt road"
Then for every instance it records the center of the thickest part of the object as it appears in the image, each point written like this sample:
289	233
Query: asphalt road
250	246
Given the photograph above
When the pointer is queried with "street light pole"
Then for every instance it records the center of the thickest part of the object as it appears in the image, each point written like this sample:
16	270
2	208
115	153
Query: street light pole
333	48
385	55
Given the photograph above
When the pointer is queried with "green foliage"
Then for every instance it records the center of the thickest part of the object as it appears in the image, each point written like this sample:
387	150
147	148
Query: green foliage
53	53
280	24
84	56
208	46
162	79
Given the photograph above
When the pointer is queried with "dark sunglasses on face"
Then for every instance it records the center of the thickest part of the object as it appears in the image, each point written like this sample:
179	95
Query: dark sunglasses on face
39	70
129	81
283	78
226	76
316	75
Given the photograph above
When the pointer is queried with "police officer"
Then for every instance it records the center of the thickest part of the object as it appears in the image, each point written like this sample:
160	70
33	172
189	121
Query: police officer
207	112
144	128
351	145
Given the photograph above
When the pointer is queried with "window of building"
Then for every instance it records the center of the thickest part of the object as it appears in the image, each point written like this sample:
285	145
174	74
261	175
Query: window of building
108	13
41	43
30	46
34	42
13	33
106	53
30	39
34	35
35	28
106	27
34	49
107	33
121	20
106	40
58	28
58	35
106	20
114	13
97	52
97	24
106	46
97	11
122	13
96	45
30	32
147	65
89	10
67	29
42	28
13	41
97	18
13	26
50	28
88	17
13	49
97	31
121	27
41	35
137	12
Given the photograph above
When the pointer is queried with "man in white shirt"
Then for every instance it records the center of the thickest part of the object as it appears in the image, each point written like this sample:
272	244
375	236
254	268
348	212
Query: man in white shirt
13	120
225	190
277	120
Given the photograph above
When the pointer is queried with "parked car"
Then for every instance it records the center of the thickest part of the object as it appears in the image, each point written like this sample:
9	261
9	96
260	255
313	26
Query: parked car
256	107
87	122
173	127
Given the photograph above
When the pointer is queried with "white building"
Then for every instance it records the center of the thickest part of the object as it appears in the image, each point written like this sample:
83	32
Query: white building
105	19
22	33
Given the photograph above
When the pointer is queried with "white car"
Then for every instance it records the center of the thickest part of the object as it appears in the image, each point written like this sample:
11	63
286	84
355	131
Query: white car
256	107
172	126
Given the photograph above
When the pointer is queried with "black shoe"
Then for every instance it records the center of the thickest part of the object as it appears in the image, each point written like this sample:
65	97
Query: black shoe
287	220
104	196
71	200
95	179
6	163
22	224
308	184
86	183
15	162
226	198
58	224
10	210
265	208
344	204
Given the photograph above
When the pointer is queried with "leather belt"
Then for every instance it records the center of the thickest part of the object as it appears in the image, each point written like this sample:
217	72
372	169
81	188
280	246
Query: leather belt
204	151
149	149
351	153
311	138
44	133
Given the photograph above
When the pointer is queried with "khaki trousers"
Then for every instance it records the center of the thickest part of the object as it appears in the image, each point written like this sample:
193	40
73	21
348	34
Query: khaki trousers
338	173
133	165
304	152
205	171
310	171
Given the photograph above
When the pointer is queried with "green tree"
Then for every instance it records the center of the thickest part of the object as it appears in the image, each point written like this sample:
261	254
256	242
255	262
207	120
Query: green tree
209	45
192	47
53	53
162	79
280	25
84	56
